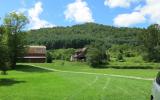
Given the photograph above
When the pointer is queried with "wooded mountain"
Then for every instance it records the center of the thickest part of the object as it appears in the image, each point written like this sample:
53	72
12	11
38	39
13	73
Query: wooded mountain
78	36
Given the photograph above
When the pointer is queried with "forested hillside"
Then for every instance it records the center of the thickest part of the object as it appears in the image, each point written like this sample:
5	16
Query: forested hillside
80	35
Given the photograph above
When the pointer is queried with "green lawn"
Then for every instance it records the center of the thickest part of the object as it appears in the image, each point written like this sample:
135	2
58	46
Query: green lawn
83	67
32	83
134	62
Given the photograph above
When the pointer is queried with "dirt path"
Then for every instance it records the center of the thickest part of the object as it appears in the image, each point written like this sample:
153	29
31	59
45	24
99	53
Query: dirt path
89	73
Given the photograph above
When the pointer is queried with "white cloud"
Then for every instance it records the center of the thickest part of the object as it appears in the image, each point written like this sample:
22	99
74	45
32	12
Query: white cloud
34	17
152	10
129	19
119	3
79	12
148	12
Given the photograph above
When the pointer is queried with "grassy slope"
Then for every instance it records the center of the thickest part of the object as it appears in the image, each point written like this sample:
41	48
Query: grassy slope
30	83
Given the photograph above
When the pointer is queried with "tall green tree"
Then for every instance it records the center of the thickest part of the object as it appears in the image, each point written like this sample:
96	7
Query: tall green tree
15	23
150	40
96	54
4	51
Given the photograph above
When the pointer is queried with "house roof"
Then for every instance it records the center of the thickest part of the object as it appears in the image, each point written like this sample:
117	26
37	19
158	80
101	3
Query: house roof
36	50
37	46
81	50
33	57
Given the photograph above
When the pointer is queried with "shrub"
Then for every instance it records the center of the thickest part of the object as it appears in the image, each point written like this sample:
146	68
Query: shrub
129	54
93	56
62	54
153	56
120	57
127	50
49	58
96	55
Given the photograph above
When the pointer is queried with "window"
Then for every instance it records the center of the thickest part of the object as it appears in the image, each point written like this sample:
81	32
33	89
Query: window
158	78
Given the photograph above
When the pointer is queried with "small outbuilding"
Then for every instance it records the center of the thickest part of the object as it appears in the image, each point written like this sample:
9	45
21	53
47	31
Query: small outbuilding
79	55
35	54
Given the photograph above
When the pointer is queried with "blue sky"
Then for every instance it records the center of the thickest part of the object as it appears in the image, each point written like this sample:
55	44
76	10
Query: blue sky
52	13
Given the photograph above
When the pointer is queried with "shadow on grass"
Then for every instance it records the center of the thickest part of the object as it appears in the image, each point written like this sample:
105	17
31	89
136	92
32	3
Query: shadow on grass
9	82
125	67
28	68
133	67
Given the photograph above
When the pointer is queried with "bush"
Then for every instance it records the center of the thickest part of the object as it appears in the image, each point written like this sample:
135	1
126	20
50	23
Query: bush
127	50
93	56
62	54
153	56
49	58
120	57
96	55
129	54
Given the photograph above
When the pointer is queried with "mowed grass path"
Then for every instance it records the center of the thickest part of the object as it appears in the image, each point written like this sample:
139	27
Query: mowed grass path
32	83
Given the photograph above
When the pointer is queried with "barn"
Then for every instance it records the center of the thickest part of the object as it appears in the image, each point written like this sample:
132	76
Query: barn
35	54
79	55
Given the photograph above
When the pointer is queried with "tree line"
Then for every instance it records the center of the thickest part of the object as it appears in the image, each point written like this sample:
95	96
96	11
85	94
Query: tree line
78	36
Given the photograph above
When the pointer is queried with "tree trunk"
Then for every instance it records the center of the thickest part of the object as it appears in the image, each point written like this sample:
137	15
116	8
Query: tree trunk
13	66
13	61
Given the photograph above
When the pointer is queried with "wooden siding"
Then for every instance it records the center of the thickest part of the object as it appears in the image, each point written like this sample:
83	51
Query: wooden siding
34	54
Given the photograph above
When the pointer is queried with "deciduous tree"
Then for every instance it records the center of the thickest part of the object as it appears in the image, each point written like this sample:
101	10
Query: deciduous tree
4	51
15	23
151	43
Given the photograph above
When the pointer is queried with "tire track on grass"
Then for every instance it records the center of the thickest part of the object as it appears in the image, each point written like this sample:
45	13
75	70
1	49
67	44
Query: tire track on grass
104	88
83	89
89	73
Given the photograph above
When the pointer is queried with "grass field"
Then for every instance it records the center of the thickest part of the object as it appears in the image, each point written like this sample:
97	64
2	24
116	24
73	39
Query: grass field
134	62
83	67
33	83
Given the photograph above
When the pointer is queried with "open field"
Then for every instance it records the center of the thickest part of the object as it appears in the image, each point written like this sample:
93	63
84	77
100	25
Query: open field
33	83
136	62
83	67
